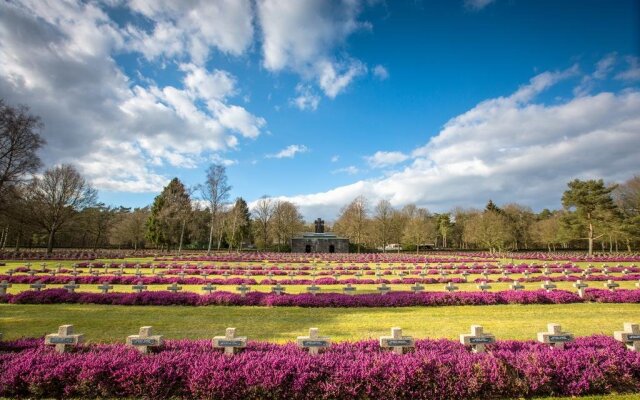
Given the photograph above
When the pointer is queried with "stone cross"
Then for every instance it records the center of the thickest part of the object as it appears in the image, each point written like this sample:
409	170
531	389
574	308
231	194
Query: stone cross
229	342
174	288
566	272
358	274
313	289
396	341
138	274
450	287
484	286
548	286
630	336
401	274
506	273
580	286
555	336
105	287
31	272
4	285
546	271
208	288
96	273
118	273
71	287
611	285
243	289
277	289
422	274
516	286
144	340
348	289
417	288
477	339
10	272
527	273
383	289
485	273
465	274
181	275
64	339
225	274
139	288
37	286
605	271
313	342
204	274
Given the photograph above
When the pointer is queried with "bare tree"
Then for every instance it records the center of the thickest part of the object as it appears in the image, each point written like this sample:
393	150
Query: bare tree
382	216
55	198
19	143
216	192
287	220
353	220
263	212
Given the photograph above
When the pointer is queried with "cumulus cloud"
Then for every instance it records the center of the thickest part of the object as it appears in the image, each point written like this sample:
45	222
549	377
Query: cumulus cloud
386	158
302	35
306	98
350	170
289	151
632	73
57	57
477	5
509	149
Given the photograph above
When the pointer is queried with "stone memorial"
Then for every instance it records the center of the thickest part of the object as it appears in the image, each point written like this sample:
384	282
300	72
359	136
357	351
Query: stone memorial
229	342
548	286
144	340
417	288
174	288
105	287
630	336
396	341
515	285
611	285
313	289
64	339
383	289
208	288
477	339
71	287
450	287
554	336
243	289
484	286
348	289
4	285
139	288
277	289
38	286
313	342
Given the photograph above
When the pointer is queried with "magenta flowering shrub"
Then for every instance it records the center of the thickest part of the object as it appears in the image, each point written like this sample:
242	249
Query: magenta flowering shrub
435	369
393	299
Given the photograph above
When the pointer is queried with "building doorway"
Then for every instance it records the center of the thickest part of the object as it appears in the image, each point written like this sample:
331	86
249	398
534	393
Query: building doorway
307	248
332	249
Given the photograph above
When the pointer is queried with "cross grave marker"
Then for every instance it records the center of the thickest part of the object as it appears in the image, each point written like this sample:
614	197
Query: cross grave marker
105	287
396	341
229	342
71	287
313	342
630	336
554	336
64	339
144	340
477	339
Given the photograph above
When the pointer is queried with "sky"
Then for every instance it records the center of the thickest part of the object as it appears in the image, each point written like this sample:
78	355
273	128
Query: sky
437	103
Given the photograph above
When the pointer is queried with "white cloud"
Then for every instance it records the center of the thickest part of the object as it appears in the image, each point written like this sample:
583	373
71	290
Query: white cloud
509	149
192	28
350	170
289	151
386	158
380	72
633	72
301	36
477	5
307	99
116	131
602	70
335	158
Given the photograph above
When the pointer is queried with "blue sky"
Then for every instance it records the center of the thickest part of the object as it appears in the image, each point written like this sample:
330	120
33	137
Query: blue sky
438	103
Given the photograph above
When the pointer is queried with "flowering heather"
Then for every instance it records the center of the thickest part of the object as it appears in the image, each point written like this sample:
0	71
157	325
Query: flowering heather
435	369
393	299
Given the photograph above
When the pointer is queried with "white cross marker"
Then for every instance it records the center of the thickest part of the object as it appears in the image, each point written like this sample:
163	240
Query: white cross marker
396	341
477	339
629	336
63	339
144	339
555	336
229	341
313	342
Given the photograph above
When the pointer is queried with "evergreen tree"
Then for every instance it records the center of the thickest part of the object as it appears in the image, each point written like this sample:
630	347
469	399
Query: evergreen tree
169	214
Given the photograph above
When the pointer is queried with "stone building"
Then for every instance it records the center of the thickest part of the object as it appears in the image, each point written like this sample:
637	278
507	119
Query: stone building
319	241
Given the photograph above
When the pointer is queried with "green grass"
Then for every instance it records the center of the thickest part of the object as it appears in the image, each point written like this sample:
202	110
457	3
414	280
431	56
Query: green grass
280	324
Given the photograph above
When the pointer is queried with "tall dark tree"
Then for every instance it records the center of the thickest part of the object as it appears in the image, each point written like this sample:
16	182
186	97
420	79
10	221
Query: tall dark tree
169	214
216	192
590	203
239	224
19	144
56	198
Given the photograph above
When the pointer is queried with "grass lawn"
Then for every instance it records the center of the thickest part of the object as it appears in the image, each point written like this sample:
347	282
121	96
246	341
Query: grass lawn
102	323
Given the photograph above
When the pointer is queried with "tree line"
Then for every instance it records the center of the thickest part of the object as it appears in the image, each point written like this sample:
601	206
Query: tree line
58	207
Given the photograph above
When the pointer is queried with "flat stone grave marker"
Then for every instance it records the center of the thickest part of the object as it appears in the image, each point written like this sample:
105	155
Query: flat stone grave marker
4	285
417	288
515	285
71	287
484	286
64	339
548	286
144	340
37	286
243	289
450	287
174	288
313	342
383	289
554	336
105	287
139	288
630	336
313	289
277	289
208	288
581	286
229	342
611	285
477	339
348	289
396	341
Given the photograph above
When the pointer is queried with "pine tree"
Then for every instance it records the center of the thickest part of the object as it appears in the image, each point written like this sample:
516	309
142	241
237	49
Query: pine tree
169	213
